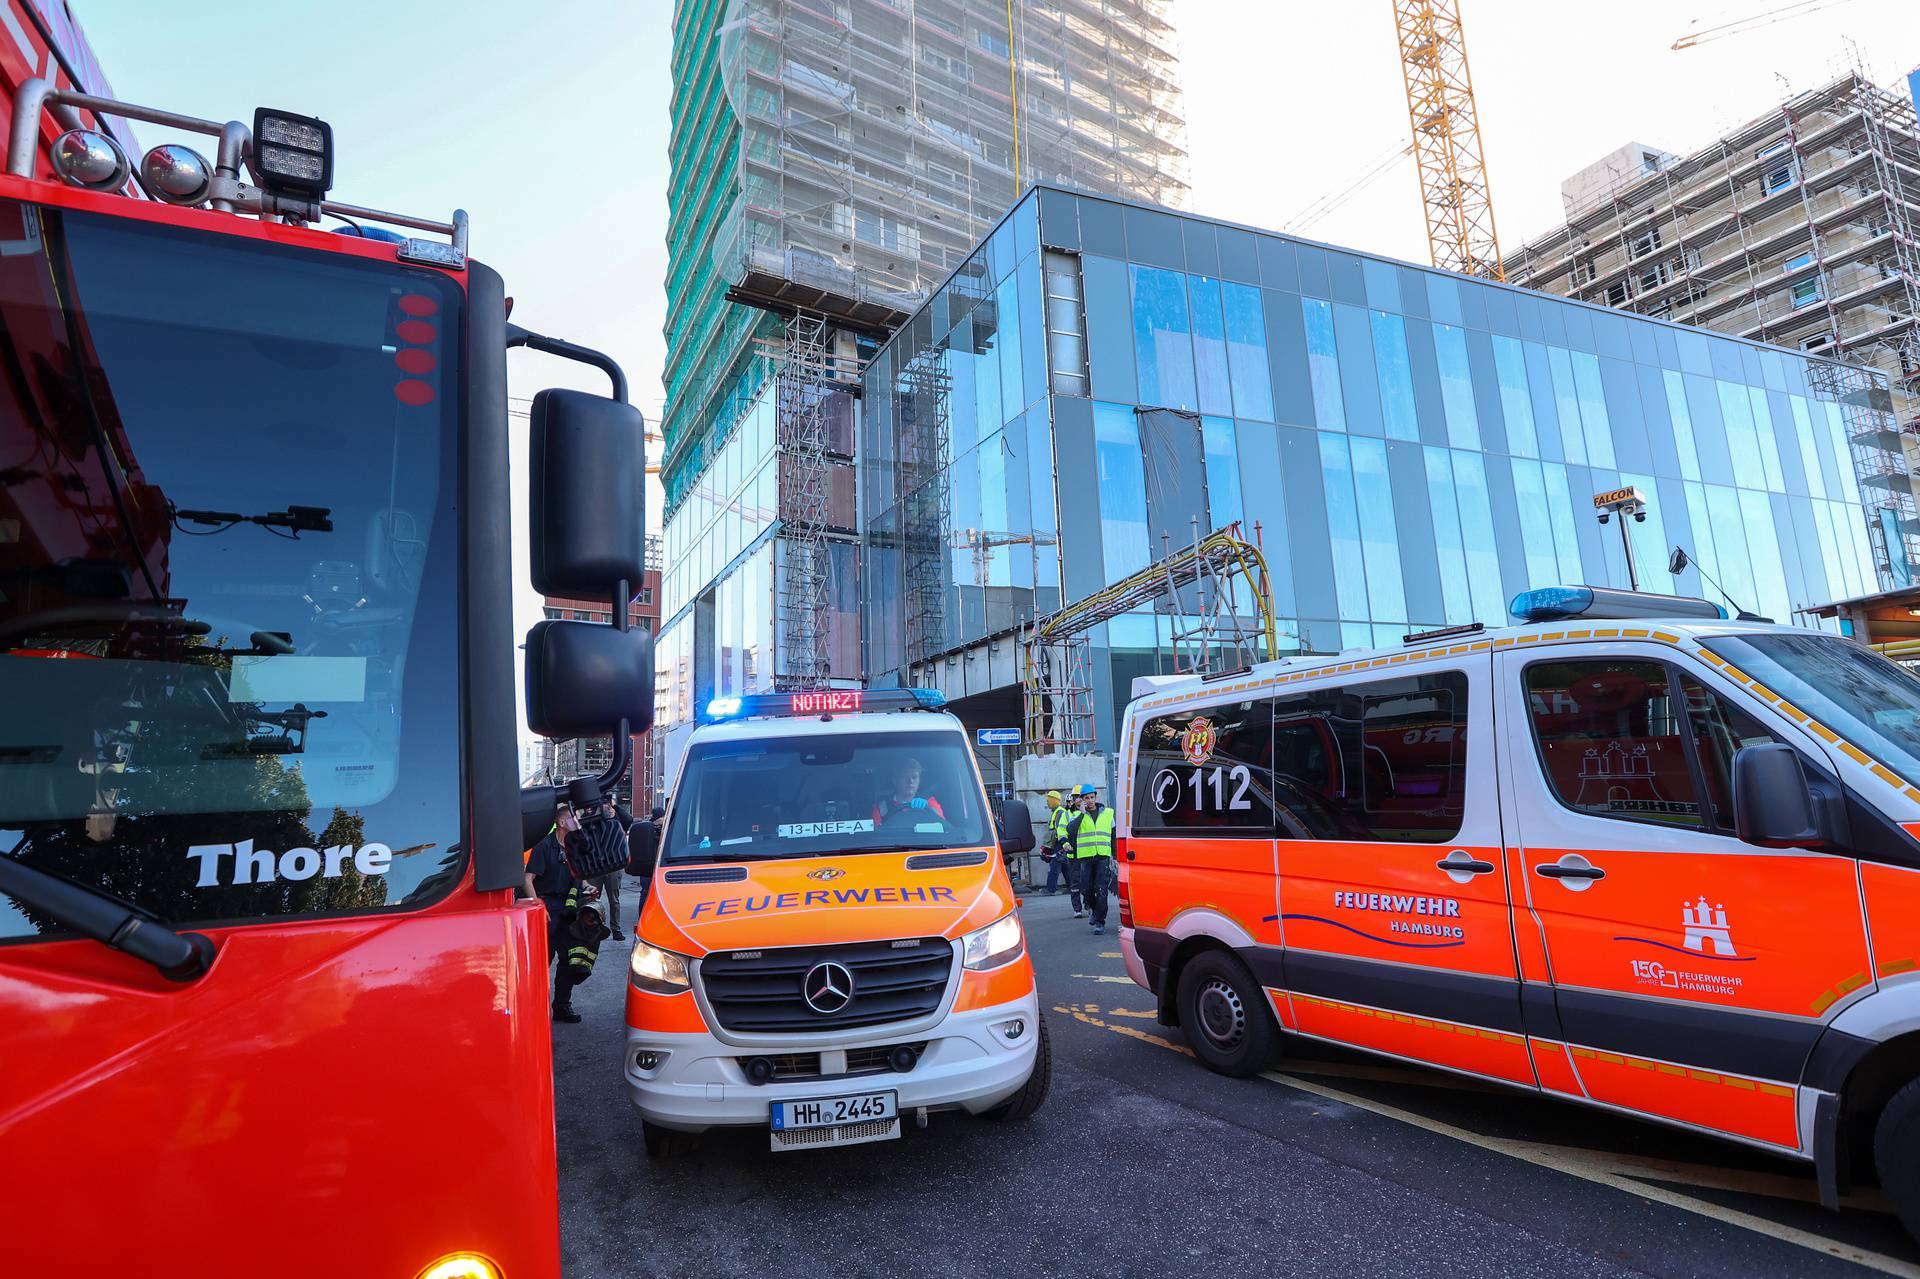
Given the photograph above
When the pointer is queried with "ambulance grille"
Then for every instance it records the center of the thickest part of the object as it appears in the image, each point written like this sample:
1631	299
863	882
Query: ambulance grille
758	992
708	875
945	861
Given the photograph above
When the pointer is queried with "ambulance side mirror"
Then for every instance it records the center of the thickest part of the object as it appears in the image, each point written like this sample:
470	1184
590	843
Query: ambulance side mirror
1016	827
643	849
1774	803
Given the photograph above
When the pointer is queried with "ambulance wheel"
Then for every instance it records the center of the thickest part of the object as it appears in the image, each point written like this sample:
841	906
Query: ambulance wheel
667	1143
1224	1015
1895	1138
1023	1103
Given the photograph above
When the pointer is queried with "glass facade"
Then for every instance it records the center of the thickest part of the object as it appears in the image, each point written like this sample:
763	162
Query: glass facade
1410	448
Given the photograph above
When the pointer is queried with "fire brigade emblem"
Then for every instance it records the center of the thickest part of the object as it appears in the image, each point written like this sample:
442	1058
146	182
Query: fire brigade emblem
1196	744
826	873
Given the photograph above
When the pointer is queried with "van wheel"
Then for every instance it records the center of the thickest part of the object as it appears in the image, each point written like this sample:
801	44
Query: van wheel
1023	1103
1895	1138
667	1143
1224	1015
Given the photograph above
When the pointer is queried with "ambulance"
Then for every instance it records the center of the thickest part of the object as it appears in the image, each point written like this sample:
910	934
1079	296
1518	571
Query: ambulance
1629	853
830	941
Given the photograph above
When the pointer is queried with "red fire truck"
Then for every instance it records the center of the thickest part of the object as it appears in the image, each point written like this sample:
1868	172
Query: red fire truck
267	1000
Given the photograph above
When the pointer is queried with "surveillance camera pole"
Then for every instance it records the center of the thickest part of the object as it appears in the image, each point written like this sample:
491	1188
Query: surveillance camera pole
1624	504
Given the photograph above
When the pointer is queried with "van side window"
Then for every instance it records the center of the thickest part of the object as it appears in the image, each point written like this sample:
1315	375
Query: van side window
1720	729
1381	761
1612	740
1207	770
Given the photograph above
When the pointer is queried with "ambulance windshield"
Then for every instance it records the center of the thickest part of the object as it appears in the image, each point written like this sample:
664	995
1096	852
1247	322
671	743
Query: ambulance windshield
1855	692
812	793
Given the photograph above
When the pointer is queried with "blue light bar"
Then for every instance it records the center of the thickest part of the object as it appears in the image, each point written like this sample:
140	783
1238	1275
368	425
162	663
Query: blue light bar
1602	603
930	699
723	708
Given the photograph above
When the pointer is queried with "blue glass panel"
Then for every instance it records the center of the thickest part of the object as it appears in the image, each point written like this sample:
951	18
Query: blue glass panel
1473	304
1154	237
1083	570
1396	376
1203	248
1622	398
1566	539
1343	528
1610	336
1709	433
1695	357
1529	307
1239	256
1038	466
1773	370
1810	467
1287	353
1736	412
1786	445
1359	388
1323	364
1263	494
1448	545
1579	325
1786	545
1247	353
1671	495
1443	298
1121	480
1599	557
1383	284
1162	337
1536	525
1344	279
1306	512
1413	519
1736	566
1413	292
1546	416
1109	325
1427	399
1486	390
1223	471
1567	403
1279	268
1763	548
1769	443
1313	270
1210	346
1476	530
1703	549
1659	422
1650	544
1033	332
1553	323
1456	385
1750	366
1597	429
990	343
1806	548
1386	597
1506	525
1516	402
1725	358
1645	349
1836	440
1502	313
1012	393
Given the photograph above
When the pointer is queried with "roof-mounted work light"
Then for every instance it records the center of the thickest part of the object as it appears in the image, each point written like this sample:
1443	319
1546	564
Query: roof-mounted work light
89	159
292	154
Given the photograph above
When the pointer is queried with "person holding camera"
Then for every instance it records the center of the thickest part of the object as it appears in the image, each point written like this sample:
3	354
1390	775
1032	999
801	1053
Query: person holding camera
597	847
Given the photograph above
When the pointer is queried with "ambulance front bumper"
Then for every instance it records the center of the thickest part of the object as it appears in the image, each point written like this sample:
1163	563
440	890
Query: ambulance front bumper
969	1063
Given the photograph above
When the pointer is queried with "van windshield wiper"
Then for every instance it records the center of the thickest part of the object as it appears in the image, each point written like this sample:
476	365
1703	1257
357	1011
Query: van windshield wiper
94	913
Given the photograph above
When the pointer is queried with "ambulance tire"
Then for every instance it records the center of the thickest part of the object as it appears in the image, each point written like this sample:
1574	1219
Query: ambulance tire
1895	1138
1224	1014
667	1143
1023	1103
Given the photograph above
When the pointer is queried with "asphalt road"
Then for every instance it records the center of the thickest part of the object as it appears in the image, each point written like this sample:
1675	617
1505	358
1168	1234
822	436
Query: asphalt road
1142	1163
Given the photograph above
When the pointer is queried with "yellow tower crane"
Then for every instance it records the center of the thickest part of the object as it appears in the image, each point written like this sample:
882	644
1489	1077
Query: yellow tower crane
1446	138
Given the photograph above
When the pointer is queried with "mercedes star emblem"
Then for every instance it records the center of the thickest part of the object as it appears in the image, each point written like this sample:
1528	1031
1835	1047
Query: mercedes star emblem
827	987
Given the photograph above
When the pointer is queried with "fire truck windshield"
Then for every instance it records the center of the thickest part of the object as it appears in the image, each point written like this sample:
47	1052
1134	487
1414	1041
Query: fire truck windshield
228	655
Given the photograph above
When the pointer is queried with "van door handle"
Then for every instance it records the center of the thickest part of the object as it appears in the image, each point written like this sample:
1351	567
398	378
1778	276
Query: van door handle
1573	871
1461	866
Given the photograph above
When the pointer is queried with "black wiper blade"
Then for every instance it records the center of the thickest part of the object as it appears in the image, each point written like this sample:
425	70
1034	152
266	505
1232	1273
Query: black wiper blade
94	913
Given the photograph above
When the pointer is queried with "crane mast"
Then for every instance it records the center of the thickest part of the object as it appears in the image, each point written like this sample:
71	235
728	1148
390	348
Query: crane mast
1446	138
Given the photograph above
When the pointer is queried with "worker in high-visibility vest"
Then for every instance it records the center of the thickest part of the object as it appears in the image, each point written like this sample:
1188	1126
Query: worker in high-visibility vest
1054	851
1092	837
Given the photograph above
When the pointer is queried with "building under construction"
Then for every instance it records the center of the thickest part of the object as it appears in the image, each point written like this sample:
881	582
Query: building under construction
832	161
1798	229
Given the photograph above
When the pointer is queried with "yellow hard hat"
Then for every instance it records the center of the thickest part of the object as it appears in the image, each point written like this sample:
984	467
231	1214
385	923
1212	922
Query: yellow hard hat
1054	795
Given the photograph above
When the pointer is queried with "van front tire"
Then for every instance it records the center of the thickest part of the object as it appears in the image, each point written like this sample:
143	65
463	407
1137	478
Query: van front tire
1023	1103
1224	1014
1895	1139
667	1143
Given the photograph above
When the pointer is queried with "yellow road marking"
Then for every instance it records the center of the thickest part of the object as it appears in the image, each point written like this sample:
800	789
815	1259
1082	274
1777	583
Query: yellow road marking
1109	954
1147	1013
1617	1172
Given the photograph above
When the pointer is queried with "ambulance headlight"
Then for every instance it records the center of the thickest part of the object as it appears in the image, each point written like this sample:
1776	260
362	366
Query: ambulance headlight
656	971
999	943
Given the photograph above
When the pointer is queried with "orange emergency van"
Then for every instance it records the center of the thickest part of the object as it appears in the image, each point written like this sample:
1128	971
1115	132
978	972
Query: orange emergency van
830	940
1629	853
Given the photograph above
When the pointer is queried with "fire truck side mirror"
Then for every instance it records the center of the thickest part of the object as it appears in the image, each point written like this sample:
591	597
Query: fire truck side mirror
584	678
587	507
1776	805
1016	826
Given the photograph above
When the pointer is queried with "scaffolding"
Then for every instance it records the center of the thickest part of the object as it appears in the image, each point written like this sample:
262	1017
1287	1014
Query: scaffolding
844	156
1886	484
1798	228
1197	588
924	444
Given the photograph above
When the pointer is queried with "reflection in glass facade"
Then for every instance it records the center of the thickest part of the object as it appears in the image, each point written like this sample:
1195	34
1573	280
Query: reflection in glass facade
1410	448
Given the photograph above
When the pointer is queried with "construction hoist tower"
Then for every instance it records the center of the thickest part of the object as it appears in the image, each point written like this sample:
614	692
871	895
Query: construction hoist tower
806	371
924	446
1446	138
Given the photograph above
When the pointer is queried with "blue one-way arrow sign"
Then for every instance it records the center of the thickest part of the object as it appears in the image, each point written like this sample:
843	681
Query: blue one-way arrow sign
997	736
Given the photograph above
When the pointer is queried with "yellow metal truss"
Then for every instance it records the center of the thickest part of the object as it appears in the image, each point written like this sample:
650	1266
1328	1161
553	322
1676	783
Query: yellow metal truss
1446	138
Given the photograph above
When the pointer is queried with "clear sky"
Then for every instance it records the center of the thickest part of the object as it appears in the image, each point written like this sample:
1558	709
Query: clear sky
548	122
